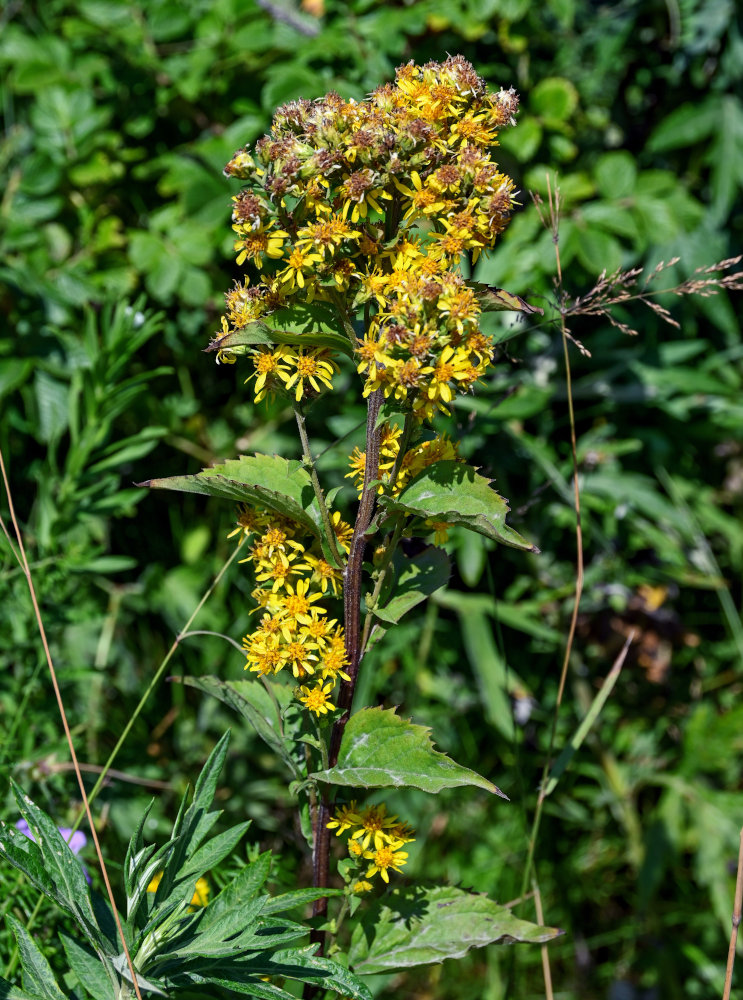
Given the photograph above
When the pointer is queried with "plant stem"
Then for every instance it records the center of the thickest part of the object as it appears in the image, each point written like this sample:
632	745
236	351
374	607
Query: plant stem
352	621
381	577
320	496
553	227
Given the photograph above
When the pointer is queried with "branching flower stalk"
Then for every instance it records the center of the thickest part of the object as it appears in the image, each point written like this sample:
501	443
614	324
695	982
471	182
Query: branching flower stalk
353	223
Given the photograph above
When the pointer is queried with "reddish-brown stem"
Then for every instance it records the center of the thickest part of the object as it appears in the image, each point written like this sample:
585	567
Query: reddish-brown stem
352	621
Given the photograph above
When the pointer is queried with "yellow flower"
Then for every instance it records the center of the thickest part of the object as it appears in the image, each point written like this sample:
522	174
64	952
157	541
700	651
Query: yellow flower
314	365
374	824
384	858
299	262
268	363
343	531
362	886
300	656
255	243
317	699
440	529
345	817
297	603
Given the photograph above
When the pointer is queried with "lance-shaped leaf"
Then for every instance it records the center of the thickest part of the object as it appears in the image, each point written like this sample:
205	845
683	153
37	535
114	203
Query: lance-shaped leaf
456	493
264	712
37	973
381	750
412	582
314	324
268	481
494	299
417	926
87	967
10	992
49	863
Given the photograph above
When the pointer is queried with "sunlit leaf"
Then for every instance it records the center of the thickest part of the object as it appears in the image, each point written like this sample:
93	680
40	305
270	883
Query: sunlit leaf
416	926
381	750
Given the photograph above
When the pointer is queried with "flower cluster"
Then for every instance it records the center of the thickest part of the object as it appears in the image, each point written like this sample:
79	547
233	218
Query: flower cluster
373	204
439	449
375	837
295	586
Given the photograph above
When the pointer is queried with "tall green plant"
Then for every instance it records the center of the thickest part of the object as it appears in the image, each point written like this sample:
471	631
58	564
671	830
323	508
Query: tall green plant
354	222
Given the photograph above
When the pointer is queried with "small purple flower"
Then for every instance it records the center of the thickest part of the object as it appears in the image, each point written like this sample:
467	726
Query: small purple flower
76	841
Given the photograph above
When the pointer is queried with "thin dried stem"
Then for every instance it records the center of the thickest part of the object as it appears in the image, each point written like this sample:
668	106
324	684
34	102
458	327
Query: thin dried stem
554	206
63	716
549	995
624	287
737	907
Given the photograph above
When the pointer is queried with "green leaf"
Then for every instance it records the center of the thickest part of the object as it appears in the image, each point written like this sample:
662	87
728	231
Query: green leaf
88	968
616	174
381	750
554	99
326	972
253	702
267	481
241	890
37	973
412	582
574	744
307	325
455	493
213	851
686	125
522	142
198	819
48	862
598	251
10	992
494	299
298	897
416	926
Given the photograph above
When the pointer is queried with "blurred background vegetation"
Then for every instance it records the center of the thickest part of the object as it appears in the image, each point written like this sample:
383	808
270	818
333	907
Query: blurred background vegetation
115	249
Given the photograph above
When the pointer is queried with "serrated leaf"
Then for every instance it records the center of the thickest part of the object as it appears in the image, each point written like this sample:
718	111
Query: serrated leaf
220	939
252	702
88	968
213	851
250	987
328	974
37	973
417	926
268	481
494	299
457	494
298	897
240	891
381	750
198	820
307	325
412	582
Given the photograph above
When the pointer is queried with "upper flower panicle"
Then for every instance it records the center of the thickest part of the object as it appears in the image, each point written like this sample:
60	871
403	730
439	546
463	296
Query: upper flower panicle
378	200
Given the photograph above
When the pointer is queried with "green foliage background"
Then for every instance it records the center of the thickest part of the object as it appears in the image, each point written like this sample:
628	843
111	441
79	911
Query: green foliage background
115	248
